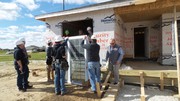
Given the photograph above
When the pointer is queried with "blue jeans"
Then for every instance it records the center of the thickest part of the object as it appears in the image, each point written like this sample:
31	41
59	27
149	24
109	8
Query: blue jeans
94	74
59	80
22	81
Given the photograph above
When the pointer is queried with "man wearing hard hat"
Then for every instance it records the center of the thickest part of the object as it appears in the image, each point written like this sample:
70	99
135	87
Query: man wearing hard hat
20	62
49	60
27	58
93	61
59	54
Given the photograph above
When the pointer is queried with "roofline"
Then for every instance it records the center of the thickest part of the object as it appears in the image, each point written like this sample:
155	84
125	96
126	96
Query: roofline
101	6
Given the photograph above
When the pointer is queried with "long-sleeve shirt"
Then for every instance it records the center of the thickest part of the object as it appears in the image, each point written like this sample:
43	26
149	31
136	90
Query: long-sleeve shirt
92	51
114	54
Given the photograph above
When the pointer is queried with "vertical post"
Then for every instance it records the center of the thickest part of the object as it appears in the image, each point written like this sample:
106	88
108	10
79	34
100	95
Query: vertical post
98	89
162	81
142	86
69	61
63	5
177	47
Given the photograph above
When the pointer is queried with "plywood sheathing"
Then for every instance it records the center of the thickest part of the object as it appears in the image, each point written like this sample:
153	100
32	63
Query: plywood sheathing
149	11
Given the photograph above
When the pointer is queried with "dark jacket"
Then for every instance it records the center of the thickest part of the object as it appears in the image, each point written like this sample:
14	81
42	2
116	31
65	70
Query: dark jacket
59	50
92	51
49	52
19	55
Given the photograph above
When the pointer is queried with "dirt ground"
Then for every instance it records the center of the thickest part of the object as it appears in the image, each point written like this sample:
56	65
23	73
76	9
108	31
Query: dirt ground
42	90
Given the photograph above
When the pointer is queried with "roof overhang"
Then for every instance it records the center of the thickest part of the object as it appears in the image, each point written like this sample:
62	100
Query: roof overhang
148	11
103	6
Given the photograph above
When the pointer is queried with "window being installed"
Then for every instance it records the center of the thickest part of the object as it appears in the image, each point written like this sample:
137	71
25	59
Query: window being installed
76	28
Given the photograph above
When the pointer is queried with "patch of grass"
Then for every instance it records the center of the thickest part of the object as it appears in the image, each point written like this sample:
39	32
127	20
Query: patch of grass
38	56
2	52
6	58
34	56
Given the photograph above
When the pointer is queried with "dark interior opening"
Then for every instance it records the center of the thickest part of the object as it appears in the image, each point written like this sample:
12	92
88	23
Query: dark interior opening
72	28
139	41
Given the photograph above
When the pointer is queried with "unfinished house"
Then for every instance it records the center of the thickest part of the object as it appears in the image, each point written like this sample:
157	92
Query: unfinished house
144	29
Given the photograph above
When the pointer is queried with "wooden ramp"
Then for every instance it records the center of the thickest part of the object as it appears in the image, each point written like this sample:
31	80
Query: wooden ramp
112	92
140	77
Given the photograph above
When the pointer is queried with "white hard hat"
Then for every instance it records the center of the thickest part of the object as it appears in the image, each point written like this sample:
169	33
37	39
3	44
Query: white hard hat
93	37
58	39
19	42
88	28
49	41
22	39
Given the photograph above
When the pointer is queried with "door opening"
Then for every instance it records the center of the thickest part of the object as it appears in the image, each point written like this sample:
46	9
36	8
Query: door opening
139	41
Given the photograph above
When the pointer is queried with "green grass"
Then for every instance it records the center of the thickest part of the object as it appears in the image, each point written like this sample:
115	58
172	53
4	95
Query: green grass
34	56
38	56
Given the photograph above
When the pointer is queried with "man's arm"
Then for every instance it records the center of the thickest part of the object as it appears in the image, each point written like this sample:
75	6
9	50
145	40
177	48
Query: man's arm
121	52
107	54
17	57
84	46
20	65
65	42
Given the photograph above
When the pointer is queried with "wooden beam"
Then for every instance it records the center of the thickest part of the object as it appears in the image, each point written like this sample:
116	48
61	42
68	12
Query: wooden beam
160	4
107	78
98	90
177	48
149	73
137	2
162	81
142	86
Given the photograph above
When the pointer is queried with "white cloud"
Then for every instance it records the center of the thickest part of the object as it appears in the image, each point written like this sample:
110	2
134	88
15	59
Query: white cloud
73	1
9	11
34	35
30	4
29	15
36	28
42	11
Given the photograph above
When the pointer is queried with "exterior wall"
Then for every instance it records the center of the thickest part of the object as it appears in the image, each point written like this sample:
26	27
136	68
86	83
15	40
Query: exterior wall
152	39
119	31
168	48
103	26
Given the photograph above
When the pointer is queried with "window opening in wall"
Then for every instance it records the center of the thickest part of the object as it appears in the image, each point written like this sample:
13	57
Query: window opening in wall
76	28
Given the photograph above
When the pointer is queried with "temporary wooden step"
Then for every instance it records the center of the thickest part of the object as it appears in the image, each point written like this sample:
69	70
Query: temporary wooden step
99	92
111	93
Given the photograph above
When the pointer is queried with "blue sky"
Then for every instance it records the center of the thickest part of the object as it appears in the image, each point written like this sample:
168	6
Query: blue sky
17	19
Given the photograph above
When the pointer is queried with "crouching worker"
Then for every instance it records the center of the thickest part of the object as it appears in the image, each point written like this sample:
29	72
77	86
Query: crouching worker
49	59
20	64
93	61
59	55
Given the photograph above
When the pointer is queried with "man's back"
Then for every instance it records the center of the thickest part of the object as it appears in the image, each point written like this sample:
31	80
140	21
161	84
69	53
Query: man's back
92	51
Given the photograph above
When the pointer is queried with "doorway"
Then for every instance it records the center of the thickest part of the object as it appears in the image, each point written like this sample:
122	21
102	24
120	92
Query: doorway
139	41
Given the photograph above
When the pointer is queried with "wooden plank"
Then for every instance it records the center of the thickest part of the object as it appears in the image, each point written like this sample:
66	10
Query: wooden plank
177	48
173	82
121	82
150	73
162	81
142	86
99	93
137	2
160	4
107	78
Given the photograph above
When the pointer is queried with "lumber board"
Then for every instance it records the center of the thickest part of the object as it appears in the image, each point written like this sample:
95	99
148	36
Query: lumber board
162	81
142	86
160	4
143	1
149	73
99	93
107	78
